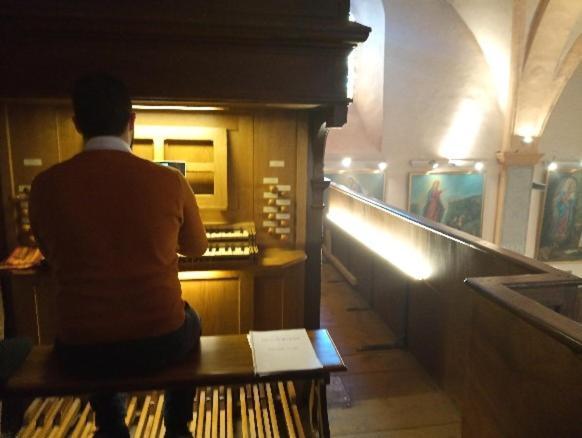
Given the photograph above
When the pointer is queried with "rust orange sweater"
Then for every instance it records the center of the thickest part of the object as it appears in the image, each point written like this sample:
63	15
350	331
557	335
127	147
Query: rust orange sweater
109	224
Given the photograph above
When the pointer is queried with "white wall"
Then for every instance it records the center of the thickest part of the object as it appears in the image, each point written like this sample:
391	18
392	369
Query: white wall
562	137
434	66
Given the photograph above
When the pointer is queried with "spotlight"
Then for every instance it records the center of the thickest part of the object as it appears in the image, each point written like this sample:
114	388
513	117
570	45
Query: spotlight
434	164
527	139
479	166
382	166
346	162
552	166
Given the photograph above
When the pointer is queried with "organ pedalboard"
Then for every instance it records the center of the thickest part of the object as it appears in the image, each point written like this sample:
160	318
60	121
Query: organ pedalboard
226	242
259	410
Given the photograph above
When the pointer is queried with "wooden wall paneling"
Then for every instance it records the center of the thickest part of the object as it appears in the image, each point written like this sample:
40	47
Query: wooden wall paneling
520	381
565	300
203	149
70	142
389	289
239	127
21	307
466	344
269	290
241	171
578	306
293	296
360	264
426	334
3	239
204	119
275	135
340	245
247	301
457	300
33	137
7	213
184	68
222	301
452	261
278	298
329	9
314	224
301	181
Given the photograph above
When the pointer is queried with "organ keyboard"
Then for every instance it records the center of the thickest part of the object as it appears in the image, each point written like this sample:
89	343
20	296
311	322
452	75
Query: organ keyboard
252	410
226	242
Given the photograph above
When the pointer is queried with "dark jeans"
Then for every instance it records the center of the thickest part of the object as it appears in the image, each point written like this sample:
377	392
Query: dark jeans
141	356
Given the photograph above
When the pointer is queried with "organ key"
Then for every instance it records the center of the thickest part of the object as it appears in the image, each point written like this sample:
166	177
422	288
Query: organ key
226	242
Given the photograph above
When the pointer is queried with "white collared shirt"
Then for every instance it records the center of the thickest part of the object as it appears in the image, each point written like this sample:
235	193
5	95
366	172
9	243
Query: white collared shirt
107	142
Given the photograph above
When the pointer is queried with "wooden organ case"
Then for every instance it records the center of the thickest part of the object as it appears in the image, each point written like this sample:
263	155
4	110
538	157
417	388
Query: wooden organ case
241	92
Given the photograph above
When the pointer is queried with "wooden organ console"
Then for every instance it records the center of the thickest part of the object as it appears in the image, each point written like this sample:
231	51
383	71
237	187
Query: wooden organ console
242	93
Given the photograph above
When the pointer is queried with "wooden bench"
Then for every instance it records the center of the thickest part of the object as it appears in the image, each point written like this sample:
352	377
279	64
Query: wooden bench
220	360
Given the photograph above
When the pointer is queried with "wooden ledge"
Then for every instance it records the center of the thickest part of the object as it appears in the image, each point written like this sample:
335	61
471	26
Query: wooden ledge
281	258
220	360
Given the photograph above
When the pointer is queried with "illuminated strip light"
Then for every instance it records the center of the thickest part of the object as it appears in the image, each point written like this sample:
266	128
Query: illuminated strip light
396	252
374	204
198	275
177	108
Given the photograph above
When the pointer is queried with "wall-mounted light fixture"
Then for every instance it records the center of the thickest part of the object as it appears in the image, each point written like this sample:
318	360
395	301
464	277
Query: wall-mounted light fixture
351	164
478	165
346	162
555	163
527	139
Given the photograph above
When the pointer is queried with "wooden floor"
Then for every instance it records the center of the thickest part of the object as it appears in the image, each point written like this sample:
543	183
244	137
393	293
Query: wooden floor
385	392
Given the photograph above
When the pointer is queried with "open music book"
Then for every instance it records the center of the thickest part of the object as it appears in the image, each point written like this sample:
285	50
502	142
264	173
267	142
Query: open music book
282	350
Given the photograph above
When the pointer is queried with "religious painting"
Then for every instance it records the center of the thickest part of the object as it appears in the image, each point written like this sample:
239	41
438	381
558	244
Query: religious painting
561	230
454	199
367	182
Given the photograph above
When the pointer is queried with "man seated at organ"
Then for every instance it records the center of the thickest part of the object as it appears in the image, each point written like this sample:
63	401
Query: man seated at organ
110	225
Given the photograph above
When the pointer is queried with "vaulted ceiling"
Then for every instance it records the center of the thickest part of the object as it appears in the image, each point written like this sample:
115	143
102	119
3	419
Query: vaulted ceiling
532	47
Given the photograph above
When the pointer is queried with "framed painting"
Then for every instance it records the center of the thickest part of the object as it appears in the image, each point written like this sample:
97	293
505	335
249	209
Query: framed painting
561	230
368	182
454	199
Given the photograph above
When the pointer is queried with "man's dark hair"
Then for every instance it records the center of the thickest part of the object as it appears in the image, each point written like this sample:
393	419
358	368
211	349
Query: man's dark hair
102	105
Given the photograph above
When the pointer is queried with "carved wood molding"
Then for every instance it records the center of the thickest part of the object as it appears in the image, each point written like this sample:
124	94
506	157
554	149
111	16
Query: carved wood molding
268	58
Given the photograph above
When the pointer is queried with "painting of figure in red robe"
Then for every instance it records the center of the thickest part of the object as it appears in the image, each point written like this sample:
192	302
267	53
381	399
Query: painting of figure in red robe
454	199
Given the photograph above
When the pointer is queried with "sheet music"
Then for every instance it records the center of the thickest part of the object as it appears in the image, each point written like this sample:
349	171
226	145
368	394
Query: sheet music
282	350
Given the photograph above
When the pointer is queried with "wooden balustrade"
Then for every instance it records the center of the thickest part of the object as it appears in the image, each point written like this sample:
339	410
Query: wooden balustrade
482	320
